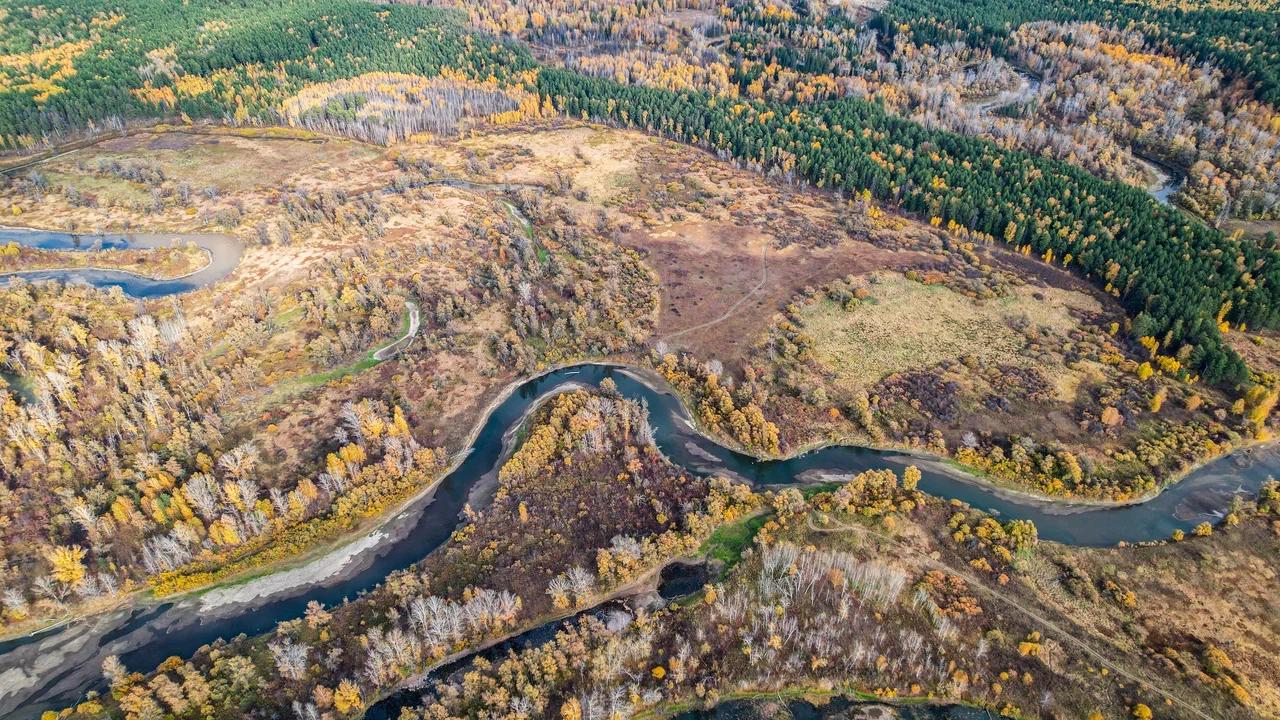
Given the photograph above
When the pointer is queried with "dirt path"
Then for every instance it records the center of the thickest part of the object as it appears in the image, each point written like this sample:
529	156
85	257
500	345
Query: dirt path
1062	634
394	348
733	309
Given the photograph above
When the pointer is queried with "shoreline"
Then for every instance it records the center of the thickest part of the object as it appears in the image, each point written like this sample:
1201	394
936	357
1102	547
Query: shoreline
144	597
318	556
223	251
941	463
81	268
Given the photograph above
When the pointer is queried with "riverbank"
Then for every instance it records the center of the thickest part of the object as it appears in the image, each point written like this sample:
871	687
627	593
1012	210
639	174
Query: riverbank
937	462
224	253
186	623
172	263
328	562
324	562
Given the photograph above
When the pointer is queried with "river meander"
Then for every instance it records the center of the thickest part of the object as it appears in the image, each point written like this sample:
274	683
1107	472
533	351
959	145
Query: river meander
224	255
54	668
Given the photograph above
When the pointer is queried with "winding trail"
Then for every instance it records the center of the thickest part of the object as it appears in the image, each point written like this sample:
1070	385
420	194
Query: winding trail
390	351
1063	635
733	309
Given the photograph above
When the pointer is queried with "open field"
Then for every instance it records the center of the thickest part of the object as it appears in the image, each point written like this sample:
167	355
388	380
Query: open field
711	231
226	161
1260	350
903	324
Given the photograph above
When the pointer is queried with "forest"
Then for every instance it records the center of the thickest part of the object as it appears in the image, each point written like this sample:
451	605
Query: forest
208	59
1180	279
1240	37
1033	243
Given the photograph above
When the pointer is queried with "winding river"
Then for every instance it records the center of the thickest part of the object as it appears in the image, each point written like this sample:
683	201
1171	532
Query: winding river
54	668
1166	181
224	255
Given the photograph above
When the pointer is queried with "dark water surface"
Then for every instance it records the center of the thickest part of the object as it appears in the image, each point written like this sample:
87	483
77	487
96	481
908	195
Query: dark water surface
54	668
224	255
836	709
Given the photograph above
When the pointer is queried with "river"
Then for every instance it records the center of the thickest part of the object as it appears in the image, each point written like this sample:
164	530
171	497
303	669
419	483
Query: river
1166	181
224	255
836	709
54	668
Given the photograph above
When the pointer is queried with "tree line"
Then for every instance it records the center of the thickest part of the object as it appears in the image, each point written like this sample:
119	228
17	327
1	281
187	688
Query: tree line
1242	40
1180	279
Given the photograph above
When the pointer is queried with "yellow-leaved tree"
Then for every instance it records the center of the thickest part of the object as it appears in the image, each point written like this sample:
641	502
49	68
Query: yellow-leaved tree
68	564
347	697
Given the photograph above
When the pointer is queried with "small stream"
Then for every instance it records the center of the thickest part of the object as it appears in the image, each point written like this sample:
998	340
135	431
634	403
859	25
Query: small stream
677	580
1168	181
614	614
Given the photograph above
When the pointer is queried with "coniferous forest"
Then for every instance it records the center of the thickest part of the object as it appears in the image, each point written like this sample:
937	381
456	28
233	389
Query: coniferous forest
600	359
1177	277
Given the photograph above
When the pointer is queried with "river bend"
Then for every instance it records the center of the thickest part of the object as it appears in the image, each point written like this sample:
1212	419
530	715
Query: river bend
52	669
224	254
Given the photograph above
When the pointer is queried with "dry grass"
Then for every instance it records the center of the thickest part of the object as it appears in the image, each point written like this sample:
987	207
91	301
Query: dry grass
601	161
707	267
905	324
246	172
701	224
1216	591
1260	350
231	163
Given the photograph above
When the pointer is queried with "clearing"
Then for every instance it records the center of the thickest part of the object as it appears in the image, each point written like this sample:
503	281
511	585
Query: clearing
903	324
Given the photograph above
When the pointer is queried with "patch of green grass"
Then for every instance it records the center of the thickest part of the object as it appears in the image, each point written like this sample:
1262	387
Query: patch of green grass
306	382
809	491
728	542
321	378
289	317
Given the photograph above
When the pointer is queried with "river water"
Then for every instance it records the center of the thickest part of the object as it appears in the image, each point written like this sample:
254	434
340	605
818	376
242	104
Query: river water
1166	181
53	669
836	709
224	255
